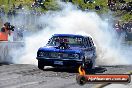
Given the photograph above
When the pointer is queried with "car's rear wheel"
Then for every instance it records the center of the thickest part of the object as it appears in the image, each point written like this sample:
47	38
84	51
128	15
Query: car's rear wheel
87	65
40	64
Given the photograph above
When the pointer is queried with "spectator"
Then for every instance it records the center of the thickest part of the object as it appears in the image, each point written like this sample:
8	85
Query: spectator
118	28
85	1
123	6
14	12
63	0
6	31
114	1
122	1
129	8
9	14
20	33
87	9
112	6
97	7
14	7
130	24
70	0
127	26
20	6
35	4
91	1
40	1
109	2
124	26
2	12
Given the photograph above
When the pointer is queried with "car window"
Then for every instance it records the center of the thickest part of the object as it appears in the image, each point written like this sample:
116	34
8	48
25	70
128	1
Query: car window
89	42
74	41
92	43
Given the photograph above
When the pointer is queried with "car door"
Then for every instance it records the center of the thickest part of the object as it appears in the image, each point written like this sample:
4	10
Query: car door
88	44
90	48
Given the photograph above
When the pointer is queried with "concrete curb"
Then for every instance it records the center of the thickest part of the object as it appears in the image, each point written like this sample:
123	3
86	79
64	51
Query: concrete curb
106	84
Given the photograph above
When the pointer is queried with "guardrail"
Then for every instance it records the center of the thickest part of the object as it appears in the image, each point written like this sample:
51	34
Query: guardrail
6	48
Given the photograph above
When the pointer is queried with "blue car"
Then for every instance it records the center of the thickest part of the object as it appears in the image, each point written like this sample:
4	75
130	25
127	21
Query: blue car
68	50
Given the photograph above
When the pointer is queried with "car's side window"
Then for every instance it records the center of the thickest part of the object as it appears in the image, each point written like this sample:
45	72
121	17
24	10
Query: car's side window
89	42
85	42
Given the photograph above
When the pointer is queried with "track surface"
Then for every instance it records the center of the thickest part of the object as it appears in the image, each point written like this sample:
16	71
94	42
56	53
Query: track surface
29	76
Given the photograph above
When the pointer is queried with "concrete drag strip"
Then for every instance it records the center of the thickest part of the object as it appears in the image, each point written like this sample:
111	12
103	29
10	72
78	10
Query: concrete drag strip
22	84
29	76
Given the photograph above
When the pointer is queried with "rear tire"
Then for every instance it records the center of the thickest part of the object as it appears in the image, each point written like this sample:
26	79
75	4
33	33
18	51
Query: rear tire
87	65
40	64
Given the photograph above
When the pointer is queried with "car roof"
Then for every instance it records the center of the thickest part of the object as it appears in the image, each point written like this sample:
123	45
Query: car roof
72	35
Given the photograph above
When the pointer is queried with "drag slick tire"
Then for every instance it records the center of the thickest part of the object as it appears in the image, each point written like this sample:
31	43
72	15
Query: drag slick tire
87	65
40	64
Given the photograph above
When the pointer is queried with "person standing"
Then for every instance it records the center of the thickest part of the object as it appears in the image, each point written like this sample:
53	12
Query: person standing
5	31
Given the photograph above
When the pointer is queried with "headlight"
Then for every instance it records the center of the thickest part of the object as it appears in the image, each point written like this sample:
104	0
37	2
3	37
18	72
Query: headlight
76	55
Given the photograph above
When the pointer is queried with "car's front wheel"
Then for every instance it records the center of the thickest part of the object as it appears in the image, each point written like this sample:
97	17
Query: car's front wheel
40	64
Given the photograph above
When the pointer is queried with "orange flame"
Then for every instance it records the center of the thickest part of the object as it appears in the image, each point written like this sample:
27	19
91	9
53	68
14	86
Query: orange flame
81	71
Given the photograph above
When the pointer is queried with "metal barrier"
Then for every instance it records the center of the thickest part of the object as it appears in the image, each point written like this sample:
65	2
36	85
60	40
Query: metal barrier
6	48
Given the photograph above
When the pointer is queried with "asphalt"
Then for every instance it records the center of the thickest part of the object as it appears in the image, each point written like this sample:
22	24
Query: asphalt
29	76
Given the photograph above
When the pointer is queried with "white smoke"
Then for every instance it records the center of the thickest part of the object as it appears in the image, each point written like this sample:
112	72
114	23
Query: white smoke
74	21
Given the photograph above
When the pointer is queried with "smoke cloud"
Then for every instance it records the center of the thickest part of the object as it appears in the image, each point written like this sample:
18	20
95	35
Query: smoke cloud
74	21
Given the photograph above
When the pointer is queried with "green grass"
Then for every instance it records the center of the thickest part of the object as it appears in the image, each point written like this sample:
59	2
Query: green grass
7	4
103	3
52	5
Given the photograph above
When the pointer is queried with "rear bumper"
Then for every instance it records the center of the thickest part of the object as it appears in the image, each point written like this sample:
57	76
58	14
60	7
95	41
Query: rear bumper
64	62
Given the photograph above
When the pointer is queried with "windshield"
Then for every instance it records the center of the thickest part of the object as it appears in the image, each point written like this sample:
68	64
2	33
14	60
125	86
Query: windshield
72	41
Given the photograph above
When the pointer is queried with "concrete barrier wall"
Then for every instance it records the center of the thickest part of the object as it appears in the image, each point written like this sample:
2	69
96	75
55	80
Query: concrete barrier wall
6	48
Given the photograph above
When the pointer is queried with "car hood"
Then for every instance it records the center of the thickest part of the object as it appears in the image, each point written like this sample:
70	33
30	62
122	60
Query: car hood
54	49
